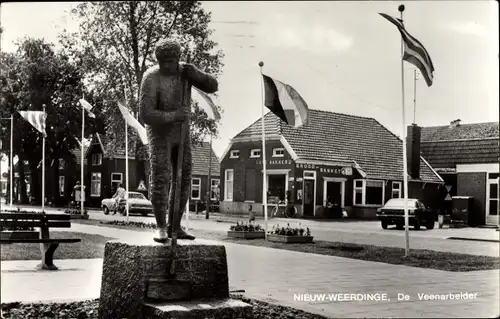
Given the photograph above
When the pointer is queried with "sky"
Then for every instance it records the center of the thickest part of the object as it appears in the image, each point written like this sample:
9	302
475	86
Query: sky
339	56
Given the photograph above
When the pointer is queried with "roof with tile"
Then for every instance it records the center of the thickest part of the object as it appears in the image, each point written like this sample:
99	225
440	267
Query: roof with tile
333	137
200	155
448	146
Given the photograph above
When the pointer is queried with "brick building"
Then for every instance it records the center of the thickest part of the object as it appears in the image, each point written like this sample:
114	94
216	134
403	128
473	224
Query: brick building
352	161
467	158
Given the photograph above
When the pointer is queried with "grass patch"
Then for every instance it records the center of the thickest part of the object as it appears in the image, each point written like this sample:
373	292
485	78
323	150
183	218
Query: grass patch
391	255
91	246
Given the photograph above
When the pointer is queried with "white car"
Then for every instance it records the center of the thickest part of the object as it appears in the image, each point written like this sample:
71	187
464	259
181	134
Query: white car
137	202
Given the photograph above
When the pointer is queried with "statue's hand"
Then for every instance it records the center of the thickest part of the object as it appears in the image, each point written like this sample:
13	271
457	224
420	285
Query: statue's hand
181	114
190	70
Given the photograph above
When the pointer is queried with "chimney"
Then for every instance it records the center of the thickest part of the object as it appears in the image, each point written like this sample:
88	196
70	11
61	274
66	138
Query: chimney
413	150
455	123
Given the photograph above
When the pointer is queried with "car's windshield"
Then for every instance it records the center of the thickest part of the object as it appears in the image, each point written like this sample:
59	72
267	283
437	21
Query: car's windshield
136	195
400	202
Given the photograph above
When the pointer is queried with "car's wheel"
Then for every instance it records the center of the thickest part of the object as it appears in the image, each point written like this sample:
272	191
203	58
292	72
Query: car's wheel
400	226
144	214
105	209
417	224
384	224
429	224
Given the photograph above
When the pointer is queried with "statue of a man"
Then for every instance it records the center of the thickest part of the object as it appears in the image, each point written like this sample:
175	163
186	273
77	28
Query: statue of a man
162	110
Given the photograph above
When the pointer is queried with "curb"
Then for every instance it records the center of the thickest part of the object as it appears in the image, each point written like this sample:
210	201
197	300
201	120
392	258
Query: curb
474	239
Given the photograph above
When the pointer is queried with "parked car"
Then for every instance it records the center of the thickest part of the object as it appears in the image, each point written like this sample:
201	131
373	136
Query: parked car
138	203
418	214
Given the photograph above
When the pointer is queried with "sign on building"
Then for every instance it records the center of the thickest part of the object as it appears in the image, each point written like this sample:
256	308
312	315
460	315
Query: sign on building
142	186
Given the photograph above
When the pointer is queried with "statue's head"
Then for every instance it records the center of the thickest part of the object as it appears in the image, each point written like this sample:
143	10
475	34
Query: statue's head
168	53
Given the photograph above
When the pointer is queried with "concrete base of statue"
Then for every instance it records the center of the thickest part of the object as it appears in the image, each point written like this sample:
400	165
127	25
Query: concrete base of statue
135	282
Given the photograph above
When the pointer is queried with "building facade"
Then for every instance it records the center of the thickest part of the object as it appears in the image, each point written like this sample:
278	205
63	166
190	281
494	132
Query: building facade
467	158
353	162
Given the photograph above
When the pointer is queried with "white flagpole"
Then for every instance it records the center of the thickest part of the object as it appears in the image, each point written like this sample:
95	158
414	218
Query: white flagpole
414	95
264	171
11	156
187	214
126	164
405	164
43	163
82	191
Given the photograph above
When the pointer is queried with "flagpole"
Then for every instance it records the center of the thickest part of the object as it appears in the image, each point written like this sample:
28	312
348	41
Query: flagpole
401	8
82	191
209	183
11	156
126	163
43	163
264	171
414	94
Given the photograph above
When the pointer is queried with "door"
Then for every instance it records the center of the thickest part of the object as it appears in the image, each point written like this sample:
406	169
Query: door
333	199
492	198
308	198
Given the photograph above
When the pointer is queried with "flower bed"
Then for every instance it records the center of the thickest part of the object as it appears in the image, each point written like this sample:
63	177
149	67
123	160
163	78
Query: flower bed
289	235
246	231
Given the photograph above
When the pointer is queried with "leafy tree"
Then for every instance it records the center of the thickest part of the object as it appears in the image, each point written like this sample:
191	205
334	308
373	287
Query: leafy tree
115	46
36	78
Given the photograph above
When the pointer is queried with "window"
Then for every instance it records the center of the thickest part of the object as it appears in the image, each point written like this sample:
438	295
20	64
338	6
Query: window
234	154
195	188
228	184
276	186
61	163
358	192
492	194
368	192
96	159
61	185
255	153
396	190
116	180
278	152
95	185
214	194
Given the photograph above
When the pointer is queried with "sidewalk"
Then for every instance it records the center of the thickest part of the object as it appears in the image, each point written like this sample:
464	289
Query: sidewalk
276	275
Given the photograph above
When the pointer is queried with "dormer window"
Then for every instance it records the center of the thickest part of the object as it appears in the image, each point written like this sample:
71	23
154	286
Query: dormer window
255	153
234	154
278	152
97	159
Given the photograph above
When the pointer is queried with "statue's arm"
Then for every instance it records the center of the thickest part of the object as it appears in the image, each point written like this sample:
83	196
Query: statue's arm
203	81
147	104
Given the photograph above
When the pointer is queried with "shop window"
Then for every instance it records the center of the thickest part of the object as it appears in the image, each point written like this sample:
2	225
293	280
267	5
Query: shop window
96	159
195	188
214	187
95	185
228	184
255	153
396	190
368	192
234	154
116	180
278	152
276	186
374	192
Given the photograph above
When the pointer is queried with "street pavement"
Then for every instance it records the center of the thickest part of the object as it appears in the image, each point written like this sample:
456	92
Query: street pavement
275	275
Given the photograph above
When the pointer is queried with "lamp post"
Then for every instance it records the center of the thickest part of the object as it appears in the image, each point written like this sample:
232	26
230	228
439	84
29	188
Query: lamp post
11	118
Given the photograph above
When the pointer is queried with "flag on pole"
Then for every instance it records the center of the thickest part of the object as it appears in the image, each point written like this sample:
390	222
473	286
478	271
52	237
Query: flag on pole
86	105
141	131
208	105
285	102
36	118
414	51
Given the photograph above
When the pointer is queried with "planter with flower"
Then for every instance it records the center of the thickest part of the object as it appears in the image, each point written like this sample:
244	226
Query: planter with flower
246	231
289	235
76	213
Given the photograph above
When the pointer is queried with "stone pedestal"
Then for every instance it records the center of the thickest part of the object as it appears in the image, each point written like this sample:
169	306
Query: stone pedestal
135	284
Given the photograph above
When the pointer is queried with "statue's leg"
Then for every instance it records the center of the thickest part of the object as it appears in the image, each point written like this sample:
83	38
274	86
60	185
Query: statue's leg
160	173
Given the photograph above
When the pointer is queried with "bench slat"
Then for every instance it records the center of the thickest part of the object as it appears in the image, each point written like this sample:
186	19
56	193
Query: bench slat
30	223
45	241
19	234
33	216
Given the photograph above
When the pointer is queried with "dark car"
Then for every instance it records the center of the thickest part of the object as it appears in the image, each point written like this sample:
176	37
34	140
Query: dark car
418	214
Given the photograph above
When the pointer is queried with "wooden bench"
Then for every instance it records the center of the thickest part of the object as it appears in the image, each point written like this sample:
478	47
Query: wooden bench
9	235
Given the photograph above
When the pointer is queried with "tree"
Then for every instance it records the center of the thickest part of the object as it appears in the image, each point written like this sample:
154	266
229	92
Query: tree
33	78
115	46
